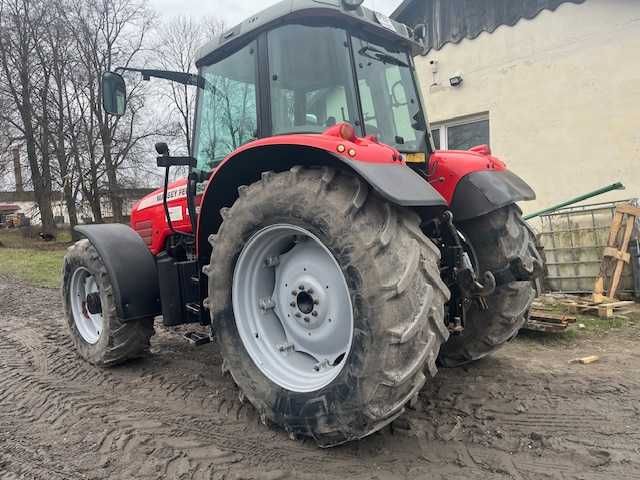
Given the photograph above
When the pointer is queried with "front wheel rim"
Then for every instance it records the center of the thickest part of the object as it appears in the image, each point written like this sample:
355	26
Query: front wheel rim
82	292
292	308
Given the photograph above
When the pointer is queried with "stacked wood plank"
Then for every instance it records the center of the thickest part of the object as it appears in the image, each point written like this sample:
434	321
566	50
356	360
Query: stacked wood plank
545	321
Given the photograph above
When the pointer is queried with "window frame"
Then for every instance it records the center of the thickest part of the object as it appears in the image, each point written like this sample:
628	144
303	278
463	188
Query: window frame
443	127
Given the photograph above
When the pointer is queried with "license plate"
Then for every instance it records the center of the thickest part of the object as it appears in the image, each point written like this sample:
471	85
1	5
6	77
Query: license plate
385	21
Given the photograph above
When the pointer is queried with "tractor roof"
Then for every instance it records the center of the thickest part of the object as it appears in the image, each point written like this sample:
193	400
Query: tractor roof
314	12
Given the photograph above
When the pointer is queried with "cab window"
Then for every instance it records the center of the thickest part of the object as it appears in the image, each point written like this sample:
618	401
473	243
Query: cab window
312	86
227	114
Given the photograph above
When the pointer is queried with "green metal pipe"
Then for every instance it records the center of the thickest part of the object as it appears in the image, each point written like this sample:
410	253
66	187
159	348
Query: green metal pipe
586	196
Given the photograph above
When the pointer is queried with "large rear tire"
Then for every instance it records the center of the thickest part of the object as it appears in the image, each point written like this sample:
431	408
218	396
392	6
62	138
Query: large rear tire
100	336
496	238
375	254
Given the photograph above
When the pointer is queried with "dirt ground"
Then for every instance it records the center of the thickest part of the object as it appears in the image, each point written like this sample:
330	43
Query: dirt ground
524	413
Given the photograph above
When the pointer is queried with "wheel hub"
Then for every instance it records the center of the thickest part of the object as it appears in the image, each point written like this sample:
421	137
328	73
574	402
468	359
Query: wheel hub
309	305
94	305
300	329
86	306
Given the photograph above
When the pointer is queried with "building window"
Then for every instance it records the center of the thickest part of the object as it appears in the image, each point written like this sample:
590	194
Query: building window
461	134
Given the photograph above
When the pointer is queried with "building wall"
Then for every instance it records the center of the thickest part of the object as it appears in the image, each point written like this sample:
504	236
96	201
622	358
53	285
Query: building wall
562	92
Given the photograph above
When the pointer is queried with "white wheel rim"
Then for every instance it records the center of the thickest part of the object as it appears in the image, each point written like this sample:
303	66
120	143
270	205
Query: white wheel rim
89	325
292	308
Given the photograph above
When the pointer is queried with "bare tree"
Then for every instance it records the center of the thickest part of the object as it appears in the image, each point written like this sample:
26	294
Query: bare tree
179	40
109	34
24	83
52	56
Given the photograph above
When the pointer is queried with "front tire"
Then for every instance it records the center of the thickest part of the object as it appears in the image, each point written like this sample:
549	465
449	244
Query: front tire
392	286
99	335
496	238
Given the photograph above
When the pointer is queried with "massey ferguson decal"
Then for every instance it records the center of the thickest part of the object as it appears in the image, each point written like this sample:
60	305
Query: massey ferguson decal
173	194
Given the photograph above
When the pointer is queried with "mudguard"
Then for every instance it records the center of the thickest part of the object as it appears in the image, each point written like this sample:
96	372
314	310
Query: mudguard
482	192
398	183
378	165
131	268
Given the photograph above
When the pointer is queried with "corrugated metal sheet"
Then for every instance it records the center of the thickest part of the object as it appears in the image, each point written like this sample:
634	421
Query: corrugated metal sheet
454	20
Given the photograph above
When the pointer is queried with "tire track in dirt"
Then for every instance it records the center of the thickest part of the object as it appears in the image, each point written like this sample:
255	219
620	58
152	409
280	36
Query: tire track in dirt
33	396
174	415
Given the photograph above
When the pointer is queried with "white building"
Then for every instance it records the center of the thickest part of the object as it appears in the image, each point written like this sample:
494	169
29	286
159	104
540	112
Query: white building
553	86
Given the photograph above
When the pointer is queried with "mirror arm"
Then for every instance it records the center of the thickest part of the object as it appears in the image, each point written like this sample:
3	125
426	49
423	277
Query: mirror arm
178	77
165	161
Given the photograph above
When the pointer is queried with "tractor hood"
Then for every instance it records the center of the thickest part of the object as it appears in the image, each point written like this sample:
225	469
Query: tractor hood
176	192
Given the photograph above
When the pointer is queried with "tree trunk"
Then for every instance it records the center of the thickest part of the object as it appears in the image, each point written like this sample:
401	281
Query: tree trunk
112	179
70	203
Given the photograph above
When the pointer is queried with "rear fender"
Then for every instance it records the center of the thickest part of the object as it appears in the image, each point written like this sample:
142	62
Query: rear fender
131	268
482	192
394	181
475	183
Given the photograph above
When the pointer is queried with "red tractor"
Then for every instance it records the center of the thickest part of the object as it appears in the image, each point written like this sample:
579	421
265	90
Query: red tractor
336	256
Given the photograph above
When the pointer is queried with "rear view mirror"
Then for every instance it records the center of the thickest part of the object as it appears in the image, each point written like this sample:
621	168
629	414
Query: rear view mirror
114	94
420	32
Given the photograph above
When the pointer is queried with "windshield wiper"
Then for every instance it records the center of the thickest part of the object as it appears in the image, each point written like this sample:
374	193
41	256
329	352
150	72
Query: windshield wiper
379	55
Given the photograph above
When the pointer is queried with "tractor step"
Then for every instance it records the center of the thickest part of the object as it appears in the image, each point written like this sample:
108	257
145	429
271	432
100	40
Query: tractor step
195	280
197	339
193	308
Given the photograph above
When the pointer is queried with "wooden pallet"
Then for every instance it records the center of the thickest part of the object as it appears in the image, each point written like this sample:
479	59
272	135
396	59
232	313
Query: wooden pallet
616	254
545	321
604	310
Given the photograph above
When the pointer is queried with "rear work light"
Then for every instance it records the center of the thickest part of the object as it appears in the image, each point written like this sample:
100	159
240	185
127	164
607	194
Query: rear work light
343	130
347	132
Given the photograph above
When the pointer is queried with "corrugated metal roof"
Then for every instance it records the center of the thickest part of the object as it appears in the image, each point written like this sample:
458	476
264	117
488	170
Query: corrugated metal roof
451	21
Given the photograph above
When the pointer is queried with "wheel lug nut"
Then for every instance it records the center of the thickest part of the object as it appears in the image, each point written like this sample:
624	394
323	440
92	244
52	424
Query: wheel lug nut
294	293
307	319
297	315
316	302
310	291
301	287
292	304
315	314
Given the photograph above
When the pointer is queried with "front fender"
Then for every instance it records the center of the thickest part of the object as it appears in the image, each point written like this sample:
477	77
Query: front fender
482	192
131	268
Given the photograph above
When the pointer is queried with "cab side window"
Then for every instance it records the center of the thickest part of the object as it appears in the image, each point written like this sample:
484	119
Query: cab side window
227	110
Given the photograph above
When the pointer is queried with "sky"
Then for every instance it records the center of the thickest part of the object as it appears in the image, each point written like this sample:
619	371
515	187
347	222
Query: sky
235	11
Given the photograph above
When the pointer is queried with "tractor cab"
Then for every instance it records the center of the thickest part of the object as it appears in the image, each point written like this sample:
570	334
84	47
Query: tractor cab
304	71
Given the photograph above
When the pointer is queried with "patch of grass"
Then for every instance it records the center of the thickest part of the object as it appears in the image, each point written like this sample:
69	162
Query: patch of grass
27	237
42	268
600	326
